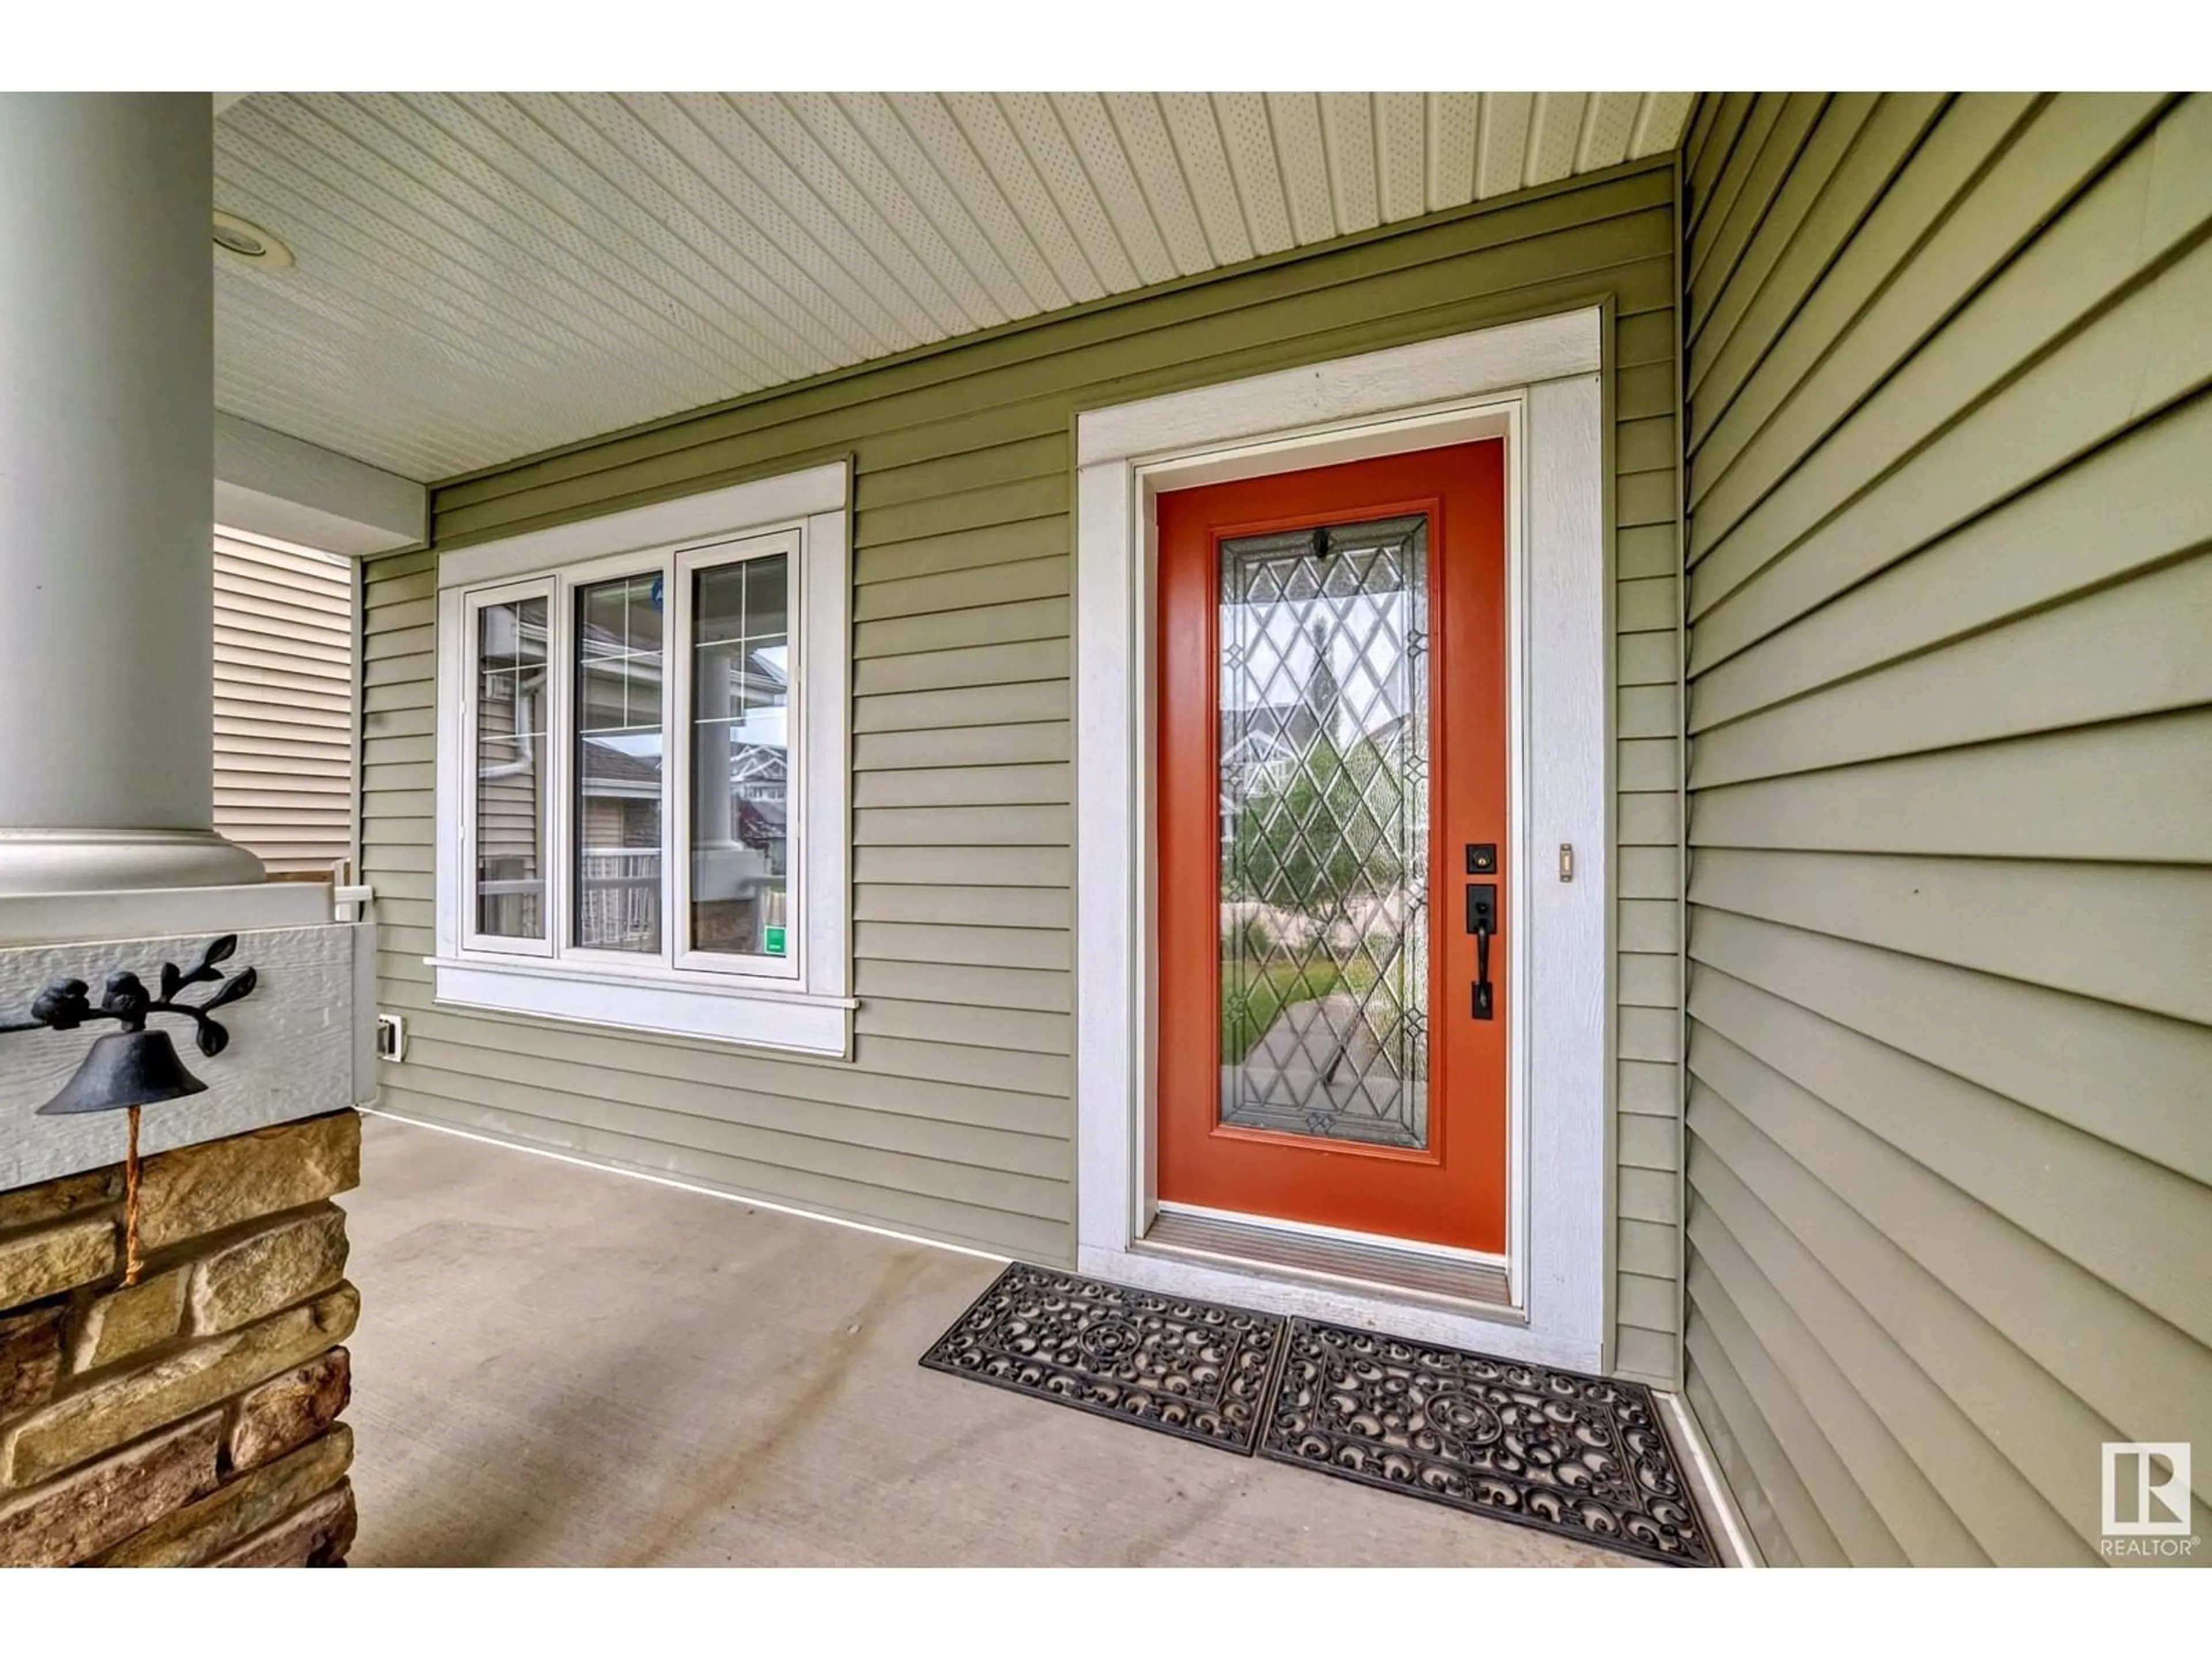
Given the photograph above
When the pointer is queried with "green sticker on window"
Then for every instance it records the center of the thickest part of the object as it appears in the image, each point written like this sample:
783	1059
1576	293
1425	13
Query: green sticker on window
775	941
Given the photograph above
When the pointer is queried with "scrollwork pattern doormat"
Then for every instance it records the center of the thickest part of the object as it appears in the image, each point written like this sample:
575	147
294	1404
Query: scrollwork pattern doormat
1583	1456
1189	1368
1580	1455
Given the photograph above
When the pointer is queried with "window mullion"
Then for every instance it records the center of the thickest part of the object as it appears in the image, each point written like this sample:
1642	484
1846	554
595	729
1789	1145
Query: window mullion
797	751
560	725
674	769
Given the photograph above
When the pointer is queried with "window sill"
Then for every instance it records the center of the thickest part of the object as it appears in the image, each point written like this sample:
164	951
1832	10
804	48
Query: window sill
749	1016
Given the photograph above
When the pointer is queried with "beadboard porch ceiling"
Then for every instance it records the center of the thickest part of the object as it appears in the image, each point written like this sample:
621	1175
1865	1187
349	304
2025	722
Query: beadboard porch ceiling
482	276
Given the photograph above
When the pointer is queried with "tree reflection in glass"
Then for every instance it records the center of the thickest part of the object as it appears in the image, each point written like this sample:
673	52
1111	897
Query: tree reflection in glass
1324	780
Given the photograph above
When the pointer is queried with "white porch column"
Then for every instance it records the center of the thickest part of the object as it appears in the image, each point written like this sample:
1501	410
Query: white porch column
107	454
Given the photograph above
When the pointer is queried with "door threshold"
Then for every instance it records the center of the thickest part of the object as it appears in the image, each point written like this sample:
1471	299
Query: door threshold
1412	1274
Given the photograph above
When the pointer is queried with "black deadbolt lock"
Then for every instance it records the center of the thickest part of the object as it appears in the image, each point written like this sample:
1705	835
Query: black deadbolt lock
1481	857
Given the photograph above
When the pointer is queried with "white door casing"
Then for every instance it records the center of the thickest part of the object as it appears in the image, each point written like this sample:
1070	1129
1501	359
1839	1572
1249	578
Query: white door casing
1535	384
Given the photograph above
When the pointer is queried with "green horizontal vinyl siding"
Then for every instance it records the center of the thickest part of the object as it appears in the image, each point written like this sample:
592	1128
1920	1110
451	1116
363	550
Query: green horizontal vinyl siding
955	1117
1950	716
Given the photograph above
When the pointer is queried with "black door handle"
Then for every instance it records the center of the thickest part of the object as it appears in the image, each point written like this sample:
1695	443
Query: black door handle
1482	923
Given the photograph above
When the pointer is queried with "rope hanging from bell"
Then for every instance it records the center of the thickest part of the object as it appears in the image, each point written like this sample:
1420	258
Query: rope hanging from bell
132	1068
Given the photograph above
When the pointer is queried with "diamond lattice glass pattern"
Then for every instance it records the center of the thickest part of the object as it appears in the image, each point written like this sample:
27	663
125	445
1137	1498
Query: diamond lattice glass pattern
1324	779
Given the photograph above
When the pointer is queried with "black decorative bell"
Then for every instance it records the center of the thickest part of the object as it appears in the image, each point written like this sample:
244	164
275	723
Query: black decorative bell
134	1067
124	1069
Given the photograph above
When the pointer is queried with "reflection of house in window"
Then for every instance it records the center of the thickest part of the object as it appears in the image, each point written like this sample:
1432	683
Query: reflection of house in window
618	749
741	709
1263	747
1260	749
1396	746
738	881
511	770
621	887
759	782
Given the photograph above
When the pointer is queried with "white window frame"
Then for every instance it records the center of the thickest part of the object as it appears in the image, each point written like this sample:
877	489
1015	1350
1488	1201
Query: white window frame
677	688
474	603
802	1004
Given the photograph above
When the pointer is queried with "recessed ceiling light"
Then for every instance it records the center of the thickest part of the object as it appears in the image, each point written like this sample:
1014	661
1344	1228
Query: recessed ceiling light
250	244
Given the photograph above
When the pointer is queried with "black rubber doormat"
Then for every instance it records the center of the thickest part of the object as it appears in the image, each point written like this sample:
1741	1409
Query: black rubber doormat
1583	1456
1187	1368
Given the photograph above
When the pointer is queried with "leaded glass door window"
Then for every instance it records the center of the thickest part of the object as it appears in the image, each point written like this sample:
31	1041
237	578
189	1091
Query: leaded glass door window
1323	682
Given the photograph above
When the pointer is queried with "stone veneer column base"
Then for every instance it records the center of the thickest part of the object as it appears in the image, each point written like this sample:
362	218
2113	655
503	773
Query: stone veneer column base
190	1420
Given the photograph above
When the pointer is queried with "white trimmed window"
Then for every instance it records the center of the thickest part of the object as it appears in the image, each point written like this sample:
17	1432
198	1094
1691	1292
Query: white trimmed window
643	743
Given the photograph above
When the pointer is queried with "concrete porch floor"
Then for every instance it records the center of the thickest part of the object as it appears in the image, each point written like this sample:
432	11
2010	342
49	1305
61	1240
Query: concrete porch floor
559	1365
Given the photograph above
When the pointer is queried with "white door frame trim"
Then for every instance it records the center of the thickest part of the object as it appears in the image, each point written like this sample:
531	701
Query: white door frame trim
1536	385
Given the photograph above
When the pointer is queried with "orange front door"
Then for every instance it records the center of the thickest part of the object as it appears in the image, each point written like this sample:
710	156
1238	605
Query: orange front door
1332	827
